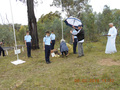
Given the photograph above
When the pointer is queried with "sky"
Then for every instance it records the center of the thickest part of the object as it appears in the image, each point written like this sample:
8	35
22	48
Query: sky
20	10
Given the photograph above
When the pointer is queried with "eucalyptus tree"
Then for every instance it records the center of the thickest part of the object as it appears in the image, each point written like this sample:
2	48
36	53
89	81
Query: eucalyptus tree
32	22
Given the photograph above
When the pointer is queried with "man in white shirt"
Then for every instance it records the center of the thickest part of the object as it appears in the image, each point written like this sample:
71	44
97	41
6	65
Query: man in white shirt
111	47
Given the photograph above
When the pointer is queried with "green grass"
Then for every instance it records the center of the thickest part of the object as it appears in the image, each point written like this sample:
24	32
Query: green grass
61	74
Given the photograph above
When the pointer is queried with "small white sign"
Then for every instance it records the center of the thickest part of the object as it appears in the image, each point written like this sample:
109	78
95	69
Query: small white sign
53	54
18	51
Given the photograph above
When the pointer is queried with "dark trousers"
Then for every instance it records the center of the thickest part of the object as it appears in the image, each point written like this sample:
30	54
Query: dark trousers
29	49
52	44
75	45
47	53
65	52
1	50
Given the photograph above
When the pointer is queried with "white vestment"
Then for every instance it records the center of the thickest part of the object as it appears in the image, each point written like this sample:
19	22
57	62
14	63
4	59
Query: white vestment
111	47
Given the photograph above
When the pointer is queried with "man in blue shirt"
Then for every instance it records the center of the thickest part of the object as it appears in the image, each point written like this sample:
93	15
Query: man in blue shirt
46	47
28	39
74	42
52	36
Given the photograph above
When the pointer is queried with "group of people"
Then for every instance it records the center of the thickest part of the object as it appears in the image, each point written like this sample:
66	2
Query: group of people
49	42
78	40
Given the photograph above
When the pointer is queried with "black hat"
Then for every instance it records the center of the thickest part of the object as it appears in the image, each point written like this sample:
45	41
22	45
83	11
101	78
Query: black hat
47	32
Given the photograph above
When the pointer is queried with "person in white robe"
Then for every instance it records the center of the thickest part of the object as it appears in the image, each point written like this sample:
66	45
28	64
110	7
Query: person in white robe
111	47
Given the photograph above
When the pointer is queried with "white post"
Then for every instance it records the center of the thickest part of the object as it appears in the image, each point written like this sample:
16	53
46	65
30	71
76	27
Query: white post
62	28
6	52
13	28
61	21
18	61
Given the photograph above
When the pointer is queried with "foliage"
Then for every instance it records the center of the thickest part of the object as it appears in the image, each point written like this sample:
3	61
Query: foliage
71	7
21	33
89	25
6	34
104	19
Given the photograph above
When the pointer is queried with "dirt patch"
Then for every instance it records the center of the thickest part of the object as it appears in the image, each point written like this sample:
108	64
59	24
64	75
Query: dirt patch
108	62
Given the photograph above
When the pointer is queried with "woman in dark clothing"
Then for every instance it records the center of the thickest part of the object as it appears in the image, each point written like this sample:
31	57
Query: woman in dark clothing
1	50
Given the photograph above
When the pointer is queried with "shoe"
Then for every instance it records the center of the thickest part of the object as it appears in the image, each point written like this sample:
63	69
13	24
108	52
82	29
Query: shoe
48	62
30	57
83	55
67	55
78	56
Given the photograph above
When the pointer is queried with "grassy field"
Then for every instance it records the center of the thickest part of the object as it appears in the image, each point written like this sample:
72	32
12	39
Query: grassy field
71	73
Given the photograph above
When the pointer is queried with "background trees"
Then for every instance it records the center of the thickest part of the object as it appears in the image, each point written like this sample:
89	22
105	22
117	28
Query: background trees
6	34
71	7
95	25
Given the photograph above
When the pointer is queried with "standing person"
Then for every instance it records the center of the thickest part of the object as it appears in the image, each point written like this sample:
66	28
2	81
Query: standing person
74	42
1	49
63	48
52	36
46	47
80	37
111	47
28	41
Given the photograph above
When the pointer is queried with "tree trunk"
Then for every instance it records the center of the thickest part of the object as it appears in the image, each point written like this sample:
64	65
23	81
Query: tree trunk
32	24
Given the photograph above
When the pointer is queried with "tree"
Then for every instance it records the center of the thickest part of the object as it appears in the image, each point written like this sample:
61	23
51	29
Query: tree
88	18
6	34
50	21
107	17
116	17
32	23
72	7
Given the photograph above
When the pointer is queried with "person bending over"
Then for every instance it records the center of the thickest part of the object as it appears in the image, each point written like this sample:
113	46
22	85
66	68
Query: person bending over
63	48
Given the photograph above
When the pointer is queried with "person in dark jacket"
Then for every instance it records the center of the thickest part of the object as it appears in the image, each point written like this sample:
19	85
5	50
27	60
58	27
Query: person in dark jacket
1	50
80	37
63	48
